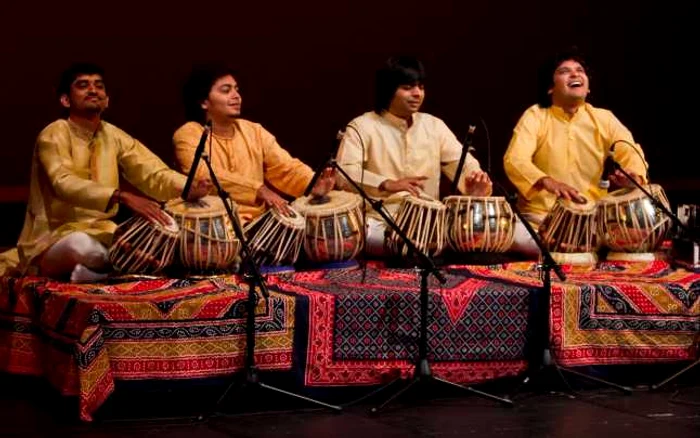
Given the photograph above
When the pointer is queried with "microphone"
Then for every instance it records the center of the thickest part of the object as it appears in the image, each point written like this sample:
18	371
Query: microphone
197	156
466	147
608	169
317	174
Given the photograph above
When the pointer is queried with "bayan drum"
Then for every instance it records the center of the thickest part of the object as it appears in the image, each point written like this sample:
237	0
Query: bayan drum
423	221
631	225
140	246
479	223
334	230
275	239
207	239
568	232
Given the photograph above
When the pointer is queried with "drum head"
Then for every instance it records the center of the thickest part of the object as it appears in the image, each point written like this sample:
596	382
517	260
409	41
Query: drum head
588	207
337	201
207	206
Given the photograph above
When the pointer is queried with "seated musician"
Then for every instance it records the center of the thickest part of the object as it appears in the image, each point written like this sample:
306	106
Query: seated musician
74	188
244	155
559	146
396	148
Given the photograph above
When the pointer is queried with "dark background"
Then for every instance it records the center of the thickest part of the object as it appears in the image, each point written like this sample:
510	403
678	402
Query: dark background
306	68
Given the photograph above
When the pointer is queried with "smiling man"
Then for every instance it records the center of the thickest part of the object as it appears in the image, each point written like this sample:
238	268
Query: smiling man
74	188
244	155
396	148
559	146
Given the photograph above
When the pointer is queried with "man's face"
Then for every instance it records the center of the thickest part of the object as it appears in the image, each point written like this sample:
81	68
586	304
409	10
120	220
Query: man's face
570	83
407	100
87	95
224	100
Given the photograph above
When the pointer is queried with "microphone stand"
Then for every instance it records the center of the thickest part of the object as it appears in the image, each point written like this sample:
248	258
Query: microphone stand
253	278
422	374
541	358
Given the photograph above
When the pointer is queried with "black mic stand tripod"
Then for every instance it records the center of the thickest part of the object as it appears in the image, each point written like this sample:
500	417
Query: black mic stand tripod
422	374
253	277
540	359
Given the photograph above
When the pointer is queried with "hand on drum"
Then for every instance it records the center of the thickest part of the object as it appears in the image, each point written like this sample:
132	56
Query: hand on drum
411	184
273	200
145	207
620	180
561	190
478	183
199	189
325	183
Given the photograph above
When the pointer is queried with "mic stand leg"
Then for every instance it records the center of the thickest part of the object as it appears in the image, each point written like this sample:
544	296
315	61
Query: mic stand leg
422	374
253	278
542	360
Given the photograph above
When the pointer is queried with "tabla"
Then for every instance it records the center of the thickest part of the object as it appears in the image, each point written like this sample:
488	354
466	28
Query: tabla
423	221
207	239
141	246
568	232
631	225
479	223
334	231
275	239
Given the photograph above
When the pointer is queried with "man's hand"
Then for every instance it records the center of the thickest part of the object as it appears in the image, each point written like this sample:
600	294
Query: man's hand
478	183
325	183
560	189
273	200
620	180
144	207
199	189
411	184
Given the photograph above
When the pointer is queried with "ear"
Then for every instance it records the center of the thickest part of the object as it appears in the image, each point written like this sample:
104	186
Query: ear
106	102
205	104
550	91
65	101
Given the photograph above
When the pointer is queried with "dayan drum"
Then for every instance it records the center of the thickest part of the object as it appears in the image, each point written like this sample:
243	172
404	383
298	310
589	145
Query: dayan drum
140	246
631	225
479	223
568	232
334	231
423	221
207	239
275	239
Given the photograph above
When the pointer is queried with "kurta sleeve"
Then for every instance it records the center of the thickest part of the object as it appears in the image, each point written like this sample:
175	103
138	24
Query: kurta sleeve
147	172
350	157
517	161
54	154
627	153
282	170
186	139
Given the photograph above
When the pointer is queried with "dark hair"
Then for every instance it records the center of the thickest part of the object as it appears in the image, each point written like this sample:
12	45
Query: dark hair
397	71
198	85
71	73
545	75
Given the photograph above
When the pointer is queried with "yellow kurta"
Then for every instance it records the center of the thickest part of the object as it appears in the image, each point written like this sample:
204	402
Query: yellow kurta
75	173
242	163
393	150
549	142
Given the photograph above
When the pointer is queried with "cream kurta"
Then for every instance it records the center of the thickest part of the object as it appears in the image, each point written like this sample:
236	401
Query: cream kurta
387	148
243	162
75	173
548	142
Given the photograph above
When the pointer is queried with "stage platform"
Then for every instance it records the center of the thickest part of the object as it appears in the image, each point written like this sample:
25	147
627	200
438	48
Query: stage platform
352	326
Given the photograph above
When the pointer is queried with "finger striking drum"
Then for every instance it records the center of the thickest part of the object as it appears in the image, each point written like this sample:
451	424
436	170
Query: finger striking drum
568	232
479	223
143	247
334	231
631	225
207	239
275	239
423	221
